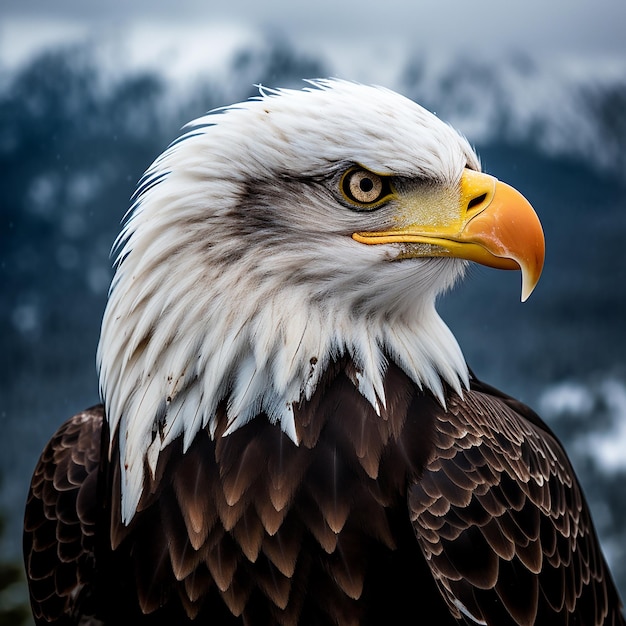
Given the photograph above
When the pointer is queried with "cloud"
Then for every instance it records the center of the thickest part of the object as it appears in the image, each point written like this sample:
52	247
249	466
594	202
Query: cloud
573	26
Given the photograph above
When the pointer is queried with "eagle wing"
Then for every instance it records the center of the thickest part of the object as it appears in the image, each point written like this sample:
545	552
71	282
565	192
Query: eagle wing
60	520
502	521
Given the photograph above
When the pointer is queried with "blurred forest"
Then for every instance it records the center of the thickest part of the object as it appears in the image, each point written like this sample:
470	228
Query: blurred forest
74	141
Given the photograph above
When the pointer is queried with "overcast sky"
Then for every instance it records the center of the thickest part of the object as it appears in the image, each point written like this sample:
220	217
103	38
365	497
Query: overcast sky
352	34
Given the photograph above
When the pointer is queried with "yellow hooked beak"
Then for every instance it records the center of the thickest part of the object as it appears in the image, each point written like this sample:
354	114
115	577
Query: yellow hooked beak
486	221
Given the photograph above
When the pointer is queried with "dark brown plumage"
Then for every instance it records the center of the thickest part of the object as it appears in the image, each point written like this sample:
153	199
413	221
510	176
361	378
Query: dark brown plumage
355	526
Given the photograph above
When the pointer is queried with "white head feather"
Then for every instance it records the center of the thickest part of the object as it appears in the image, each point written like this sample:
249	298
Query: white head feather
237	278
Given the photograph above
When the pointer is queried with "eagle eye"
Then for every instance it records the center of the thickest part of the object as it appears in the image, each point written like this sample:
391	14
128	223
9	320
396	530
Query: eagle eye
365	189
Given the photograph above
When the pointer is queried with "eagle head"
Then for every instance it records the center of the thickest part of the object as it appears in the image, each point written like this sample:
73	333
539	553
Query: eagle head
280	234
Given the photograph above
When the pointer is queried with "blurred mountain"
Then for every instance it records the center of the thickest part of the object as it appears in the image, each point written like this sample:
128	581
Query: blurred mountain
556	109
74	139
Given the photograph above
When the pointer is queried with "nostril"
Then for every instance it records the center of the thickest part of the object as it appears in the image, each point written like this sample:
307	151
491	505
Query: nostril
476	201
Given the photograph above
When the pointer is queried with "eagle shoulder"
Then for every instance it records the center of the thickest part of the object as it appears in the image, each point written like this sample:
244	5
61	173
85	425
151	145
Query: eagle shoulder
503	523
60	521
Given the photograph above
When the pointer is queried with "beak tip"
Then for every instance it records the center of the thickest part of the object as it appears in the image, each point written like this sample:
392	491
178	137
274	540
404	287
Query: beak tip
528	285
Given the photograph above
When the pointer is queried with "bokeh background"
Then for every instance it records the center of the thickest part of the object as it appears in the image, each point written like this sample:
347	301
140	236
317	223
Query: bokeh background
91	93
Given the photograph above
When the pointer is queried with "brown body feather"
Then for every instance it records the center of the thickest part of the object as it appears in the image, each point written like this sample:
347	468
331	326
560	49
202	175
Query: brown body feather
418	516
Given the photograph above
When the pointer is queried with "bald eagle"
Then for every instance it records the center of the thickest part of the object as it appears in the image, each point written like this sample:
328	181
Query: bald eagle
289	432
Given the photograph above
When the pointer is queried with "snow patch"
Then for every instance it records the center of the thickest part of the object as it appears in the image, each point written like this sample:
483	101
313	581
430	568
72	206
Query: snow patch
569	398
609	446
596	414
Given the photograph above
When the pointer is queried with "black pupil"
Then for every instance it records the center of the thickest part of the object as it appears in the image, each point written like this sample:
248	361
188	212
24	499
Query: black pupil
366	184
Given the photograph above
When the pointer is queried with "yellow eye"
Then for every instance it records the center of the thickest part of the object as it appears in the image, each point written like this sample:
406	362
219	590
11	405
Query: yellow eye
365	188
